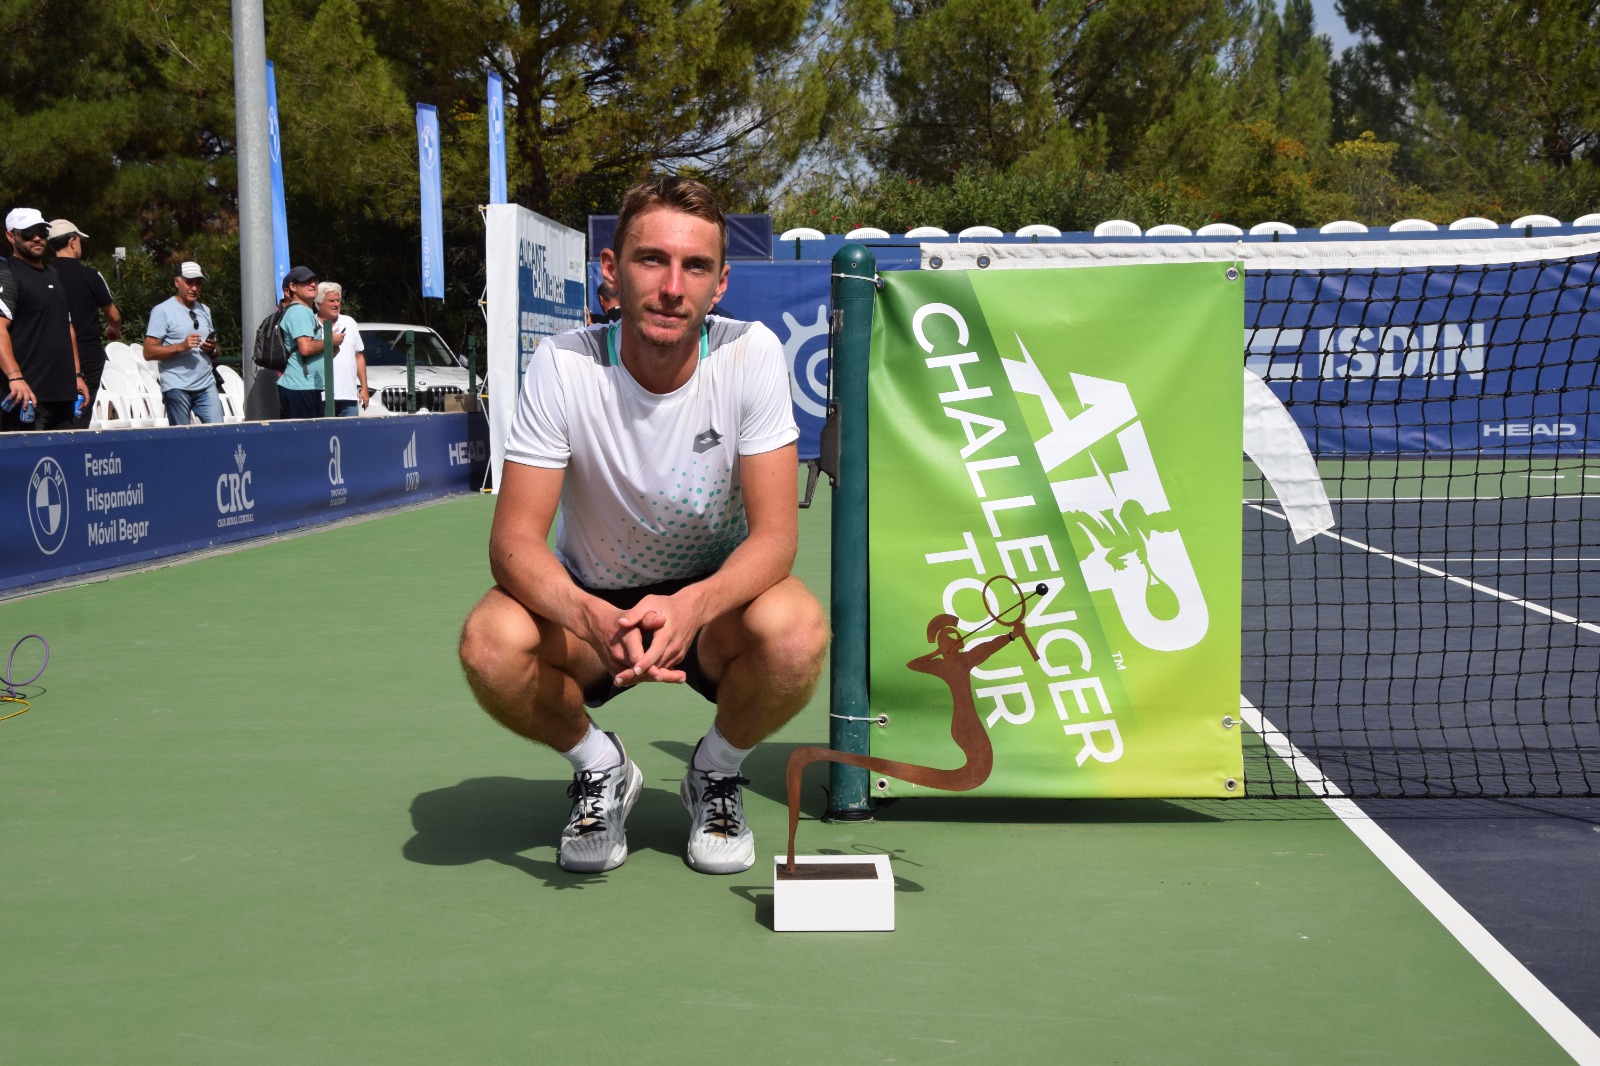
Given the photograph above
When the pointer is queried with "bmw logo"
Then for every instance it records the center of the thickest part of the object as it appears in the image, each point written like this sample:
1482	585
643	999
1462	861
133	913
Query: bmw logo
47	505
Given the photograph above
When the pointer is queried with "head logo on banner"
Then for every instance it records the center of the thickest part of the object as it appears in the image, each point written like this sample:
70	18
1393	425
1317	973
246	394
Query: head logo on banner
1046	426
280	213
432	201
497	141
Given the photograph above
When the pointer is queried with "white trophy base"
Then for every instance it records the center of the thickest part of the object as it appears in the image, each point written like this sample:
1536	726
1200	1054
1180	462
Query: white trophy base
832	893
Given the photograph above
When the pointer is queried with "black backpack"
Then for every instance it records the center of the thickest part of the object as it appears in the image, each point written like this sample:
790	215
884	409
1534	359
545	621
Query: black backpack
270	354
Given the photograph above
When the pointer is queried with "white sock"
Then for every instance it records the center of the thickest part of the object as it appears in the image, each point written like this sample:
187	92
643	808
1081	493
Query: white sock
717	755
596	751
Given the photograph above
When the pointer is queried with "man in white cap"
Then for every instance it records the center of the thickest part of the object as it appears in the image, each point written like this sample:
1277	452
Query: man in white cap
88	296
41	366
181	338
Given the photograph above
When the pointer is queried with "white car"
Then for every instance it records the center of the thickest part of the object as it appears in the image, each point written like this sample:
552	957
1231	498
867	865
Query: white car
439	372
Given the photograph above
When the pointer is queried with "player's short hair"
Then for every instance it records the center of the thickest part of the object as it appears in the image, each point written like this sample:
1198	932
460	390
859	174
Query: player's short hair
678	193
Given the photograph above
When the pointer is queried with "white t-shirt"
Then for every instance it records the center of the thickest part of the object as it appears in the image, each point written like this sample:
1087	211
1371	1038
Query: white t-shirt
346	386
652	488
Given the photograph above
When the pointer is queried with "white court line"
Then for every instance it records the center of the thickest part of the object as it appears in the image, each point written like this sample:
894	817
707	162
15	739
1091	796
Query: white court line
1578	496
1557	1019
1497	559
1536	608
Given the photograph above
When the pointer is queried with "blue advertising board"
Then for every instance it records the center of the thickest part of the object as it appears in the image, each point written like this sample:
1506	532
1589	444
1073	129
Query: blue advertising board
76	502
1432	360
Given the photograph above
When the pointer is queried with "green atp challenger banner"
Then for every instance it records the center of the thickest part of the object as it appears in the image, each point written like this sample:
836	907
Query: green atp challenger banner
1082	429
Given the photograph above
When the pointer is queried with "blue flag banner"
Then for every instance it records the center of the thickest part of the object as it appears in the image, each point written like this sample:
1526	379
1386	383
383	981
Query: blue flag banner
497	141
280	214
432	201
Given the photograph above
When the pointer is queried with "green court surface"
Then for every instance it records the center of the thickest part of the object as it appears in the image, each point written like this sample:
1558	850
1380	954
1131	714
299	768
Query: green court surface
256	817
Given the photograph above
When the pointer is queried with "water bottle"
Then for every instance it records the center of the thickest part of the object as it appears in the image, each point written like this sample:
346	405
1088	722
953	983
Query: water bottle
27	413
9	403
77	406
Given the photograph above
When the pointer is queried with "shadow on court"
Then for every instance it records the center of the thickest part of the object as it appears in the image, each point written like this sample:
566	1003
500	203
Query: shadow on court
496	819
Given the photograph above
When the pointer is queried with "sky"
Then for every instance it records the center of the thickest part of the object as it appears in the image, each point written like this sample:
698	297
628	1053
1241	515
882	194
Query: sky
1329	22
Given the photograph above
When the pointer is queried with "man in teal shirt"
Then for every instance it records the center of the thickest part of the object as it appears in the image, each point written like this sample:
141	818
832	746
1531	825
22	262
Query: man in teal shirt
300	387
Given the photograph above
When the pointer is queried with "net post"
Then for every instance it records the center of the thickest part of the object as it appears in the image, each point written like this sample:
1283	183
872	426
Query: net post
854	271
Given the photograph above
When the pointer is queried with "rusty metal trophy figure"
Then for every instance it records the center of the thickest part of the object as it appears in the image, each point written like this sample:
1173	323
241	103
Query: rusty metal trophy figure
954	662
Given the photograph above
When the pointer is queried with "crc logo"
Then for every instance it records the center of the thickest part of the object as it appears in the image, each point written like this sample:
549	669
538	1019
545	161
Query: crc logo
233	489
47	505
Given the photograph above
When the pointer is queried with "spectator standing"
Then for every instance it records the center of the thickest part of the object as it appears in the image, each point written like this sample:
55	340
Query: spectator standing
300	387
181	338
605	294
350	361
88	297
43	369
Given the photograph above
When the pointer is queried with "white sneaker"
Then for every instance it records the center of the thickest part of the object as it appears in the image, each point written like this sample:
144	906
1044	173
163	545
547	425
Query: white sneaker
593	840
719	840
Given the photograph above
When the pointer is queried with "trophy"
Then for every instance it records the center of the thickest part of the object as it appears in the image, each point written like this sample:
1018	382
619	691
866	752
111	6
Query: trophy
829	892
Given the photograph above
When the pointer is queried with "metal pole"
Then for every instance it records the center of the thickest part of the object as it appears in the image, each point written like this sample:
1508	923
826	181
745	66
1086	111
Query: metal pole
327	369
257	298
853	289
411	371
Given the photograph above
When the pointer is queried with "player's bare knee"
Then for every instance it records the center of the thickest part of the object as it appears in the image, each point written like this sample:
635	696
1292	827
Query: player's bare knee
493	644
793	637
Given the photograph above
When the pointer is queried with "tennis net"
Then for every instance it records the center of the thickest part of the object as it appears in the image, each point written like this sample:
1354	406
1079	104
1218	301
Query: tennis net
1442	638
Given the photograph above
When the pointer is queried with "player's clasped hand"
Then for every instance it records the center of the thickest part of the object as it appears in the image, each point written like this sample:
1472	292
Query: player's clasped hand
658	632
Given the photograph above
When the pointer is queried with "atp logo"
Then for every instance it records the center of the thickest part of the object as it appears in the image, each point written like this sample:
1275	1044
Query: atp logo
1138	554
807	353
48	511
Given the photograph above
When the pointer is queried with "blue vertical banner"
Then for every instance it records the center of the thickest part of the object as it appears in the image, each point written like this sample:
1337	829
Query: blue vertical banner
432	199
497	141
280	214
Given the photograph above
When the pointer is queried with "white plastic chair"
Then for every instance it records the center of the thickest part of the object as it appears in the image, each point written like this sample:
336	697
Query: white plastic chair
1268	228
1038	229
128	400
1413	225
1117	227
231	394
1219	229
1587	220
801	233
1536	221
979	233
866	233
1343	225
925	232
1169	229
1474	222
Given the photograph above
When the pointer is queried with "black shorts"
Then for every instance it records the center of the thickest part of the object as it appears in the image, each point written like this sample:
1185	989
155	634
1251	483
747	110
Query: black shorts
623	599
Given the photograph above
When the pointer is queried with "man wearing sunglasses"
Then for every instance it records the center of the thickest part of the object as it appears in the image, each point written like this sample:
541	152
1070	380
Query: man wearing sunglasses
181	338
40	358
